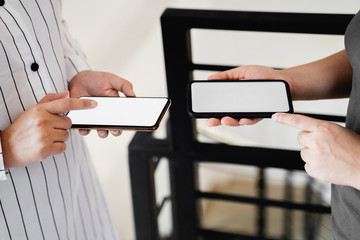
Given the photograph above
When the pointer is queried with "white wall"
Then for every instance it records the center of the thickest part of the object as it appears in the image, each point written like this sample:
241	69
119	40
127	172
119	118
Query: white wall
123	37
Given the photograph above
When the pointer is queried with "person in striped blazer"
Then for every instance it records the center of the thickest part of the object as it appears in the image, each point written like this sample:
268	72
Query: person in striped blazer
49	189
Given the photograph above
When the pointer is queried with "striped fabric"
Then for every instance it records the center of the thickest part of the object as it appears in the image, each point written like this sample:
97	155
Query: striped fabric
60	197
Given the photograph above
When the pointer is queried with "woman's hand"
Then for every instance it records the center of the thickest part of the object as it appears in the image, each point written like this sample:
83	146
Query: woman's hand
249	72
331	152
93	83
40	131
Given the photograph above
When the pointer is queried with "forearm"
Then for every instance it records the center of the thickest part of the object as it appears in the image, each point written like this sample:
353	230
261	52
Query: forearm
323	79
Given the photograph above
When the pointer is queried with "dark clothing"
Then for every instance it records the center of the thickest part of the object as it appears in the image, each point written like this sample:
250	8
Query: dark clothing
345	201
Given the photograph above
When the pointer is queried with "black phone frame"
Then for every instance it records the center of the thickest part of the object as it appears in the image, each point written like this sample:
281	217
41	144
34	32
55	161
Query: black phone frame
237	115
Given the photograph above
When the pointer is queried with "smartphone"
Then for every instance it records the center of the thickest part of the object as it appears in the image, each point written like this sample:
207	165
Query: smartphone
238	98
126	113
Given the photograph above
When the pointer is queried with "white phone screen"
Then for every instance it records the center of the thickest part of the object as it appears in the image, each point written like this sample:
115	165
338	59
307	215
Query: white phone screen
121	112
256	97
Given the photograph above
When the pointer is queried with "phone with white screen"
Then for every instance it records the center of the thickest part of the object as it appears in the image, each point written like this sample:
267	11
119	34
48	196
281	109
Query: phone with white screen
238	98
126	113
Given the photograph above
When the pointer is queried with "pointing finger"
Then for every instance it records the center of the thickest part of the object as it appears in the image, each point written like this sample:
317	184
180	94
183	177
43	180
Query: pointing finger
298	121
65	105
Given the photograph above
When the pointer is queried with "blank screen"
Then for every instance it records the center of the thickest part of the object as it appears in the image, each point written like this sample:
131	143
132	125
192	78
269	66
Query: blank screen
239	97
120	111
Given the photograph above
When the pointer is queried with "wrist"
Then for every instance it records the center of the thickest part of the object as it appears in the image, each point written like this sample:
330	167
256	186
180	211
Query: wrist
7	149
79	75
290	77
78	81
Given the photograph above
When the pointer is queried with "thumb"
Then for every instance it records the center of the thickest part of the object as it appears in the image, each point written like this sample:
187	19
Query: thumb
232	74
122	85
54	96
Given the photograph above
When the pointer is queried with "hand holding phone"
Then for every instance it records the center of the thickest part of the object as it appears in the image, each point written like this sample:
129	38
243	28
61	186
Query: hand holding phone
124	113
238	98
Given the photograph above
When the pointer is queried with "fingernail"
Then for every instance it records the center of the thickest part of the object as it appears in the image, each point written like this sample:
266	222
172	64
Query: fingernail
83	132
223	122
94	103
103	134
116	132
275	116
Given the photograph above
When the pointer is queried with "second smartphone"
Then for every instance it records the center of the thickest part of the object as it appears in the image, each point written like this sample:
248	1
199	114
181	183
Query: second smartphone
238	98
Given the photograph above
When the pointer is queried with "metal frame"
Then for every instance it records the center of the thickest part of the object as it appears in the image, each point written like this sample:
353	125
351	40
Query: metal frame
181	147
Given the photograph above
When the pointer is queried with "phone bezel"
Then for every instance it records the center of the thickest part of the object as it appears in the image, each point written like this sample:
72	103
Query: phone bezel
236	115
125	127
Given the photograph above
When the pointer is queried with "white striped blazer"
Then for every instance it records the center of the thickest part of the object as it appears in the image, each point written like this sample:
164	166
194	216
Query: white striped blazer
58	198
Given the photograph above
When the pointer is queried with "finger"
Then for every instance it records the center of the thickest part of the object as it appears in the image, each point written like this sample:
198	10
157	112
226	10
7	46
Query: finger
304	153
57	148
60	135
122	85
212	122
116	133
112	93
304	138
306	168
298	121
103	133
249	121
128	90
65	105
218	76
229	121
232	74
61	122
84	132
54	96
